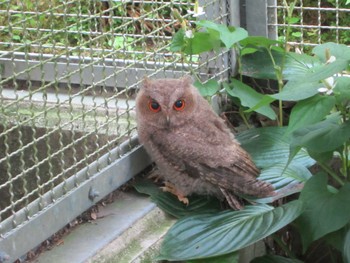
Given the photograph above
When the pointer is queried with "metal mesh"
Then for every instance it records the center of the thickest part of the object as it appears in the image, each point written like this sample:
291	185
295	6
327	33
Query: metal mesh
314	22
68	72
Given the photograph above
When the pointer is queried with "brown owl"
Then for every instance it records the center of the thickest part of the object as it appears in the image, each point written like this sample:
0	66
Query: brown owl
191	145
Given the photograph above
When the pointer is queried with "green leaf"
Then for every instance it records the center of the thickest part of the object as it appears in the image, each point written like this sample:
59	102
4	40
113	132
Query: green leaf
339	51
248	50
170	204
249	97
310	111
323	136
273	147
178	42
228	35
337	238
285	180
258	41
296	90
229	258
324	212
342	91
201	42
259	64
296	34
322	157
207	89
322	72
209	235
274	259
293	20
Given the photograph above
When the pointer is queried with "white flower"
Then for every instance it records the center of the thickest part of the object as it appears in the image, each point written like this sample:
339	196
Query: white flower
329	86
189	34
198	11
331	59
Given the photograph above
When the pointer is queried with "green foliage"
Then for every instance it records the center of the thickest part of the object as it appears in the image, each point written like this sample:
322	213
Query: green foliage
317	131
326	209
209	235
169	203
72	26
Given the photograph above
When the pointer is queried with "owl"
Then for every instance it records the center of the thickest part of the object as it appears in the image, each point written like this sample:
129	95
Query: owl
191	145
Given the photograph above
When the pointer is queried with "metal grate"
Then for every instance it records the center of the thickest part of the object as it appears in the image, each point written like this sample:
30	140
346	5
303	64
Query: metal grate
68	73
313	22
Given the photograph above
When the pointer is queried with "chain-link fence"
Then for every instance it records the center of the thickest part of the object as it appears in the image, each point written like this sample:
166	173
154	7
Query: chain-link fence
312	22
68	73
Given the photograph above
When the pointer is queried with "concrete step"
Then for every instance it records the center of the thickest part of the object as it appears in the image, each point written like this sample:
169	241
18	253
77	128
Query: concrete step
128	230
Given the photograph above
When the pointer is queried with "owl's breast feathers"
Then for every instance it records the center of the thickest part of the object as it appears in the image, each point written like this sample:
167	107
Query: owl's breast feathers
210	152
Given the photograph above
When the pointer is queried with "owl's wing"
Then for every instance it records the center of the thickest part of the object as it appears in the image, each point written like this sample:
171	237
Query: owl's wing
221	162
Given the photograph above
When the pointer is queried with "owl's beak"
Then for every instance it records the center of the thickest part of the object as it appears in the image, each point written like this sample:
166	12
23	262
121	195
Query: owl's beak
168	120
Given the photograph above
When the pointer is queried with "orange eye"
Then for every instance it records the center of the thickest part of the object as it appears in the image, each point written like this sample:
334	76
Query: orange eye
154	106
179	105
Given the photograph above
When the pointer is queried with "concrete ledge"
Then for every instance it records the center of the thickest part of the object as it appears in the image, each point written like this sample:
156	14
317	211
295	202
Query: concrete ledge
127	231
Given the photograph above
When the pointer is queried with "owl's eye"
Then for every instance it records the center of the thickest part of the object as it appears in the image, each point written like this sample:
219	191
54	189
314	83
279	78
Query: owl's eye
154	106
179	105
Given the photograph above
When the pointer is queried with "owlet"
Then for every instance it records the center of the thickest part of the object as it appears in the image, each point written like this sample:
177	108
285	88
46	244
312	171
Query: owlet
191	145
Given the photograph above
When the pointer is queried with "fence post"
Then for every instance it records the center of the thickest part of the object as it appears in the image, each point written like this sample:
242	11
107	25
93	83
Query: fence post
257	18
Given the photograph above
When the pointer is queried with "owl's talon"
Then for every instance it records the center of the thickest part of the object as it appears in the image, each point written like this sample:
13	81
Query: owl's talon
172	189
155	176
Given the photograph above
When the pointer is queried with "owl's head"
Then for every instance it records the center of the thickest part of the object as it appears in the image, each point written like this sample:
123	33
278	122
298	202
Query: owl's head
166	103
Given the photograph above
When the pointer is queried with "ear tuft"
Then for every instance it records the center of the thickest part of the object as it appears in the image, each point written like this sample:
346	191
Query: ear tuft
186	80
146	82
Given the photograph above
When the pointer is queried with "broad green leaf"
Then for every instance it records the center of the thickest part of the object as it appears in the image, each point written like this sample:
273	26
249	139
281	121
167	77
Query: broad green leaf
339	51
310	111
296	90
324	212
228	35
323	136
259	64
337	238
342	91
274	259
322	157
170	204
324	71
229	258
269	146
209	235
201	42
265	101
207	89
285	180
249	97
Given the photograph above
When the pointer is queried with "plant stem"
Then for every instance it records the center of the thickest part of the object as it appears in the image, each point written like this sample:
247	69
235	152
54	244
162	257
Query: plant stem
332	173
279	76
284	247
244	118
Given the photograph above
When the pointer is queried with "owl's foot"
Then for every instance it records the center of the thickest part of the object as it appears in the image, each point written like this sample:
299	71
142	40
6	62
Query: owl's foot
168	187
155	176
232	200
